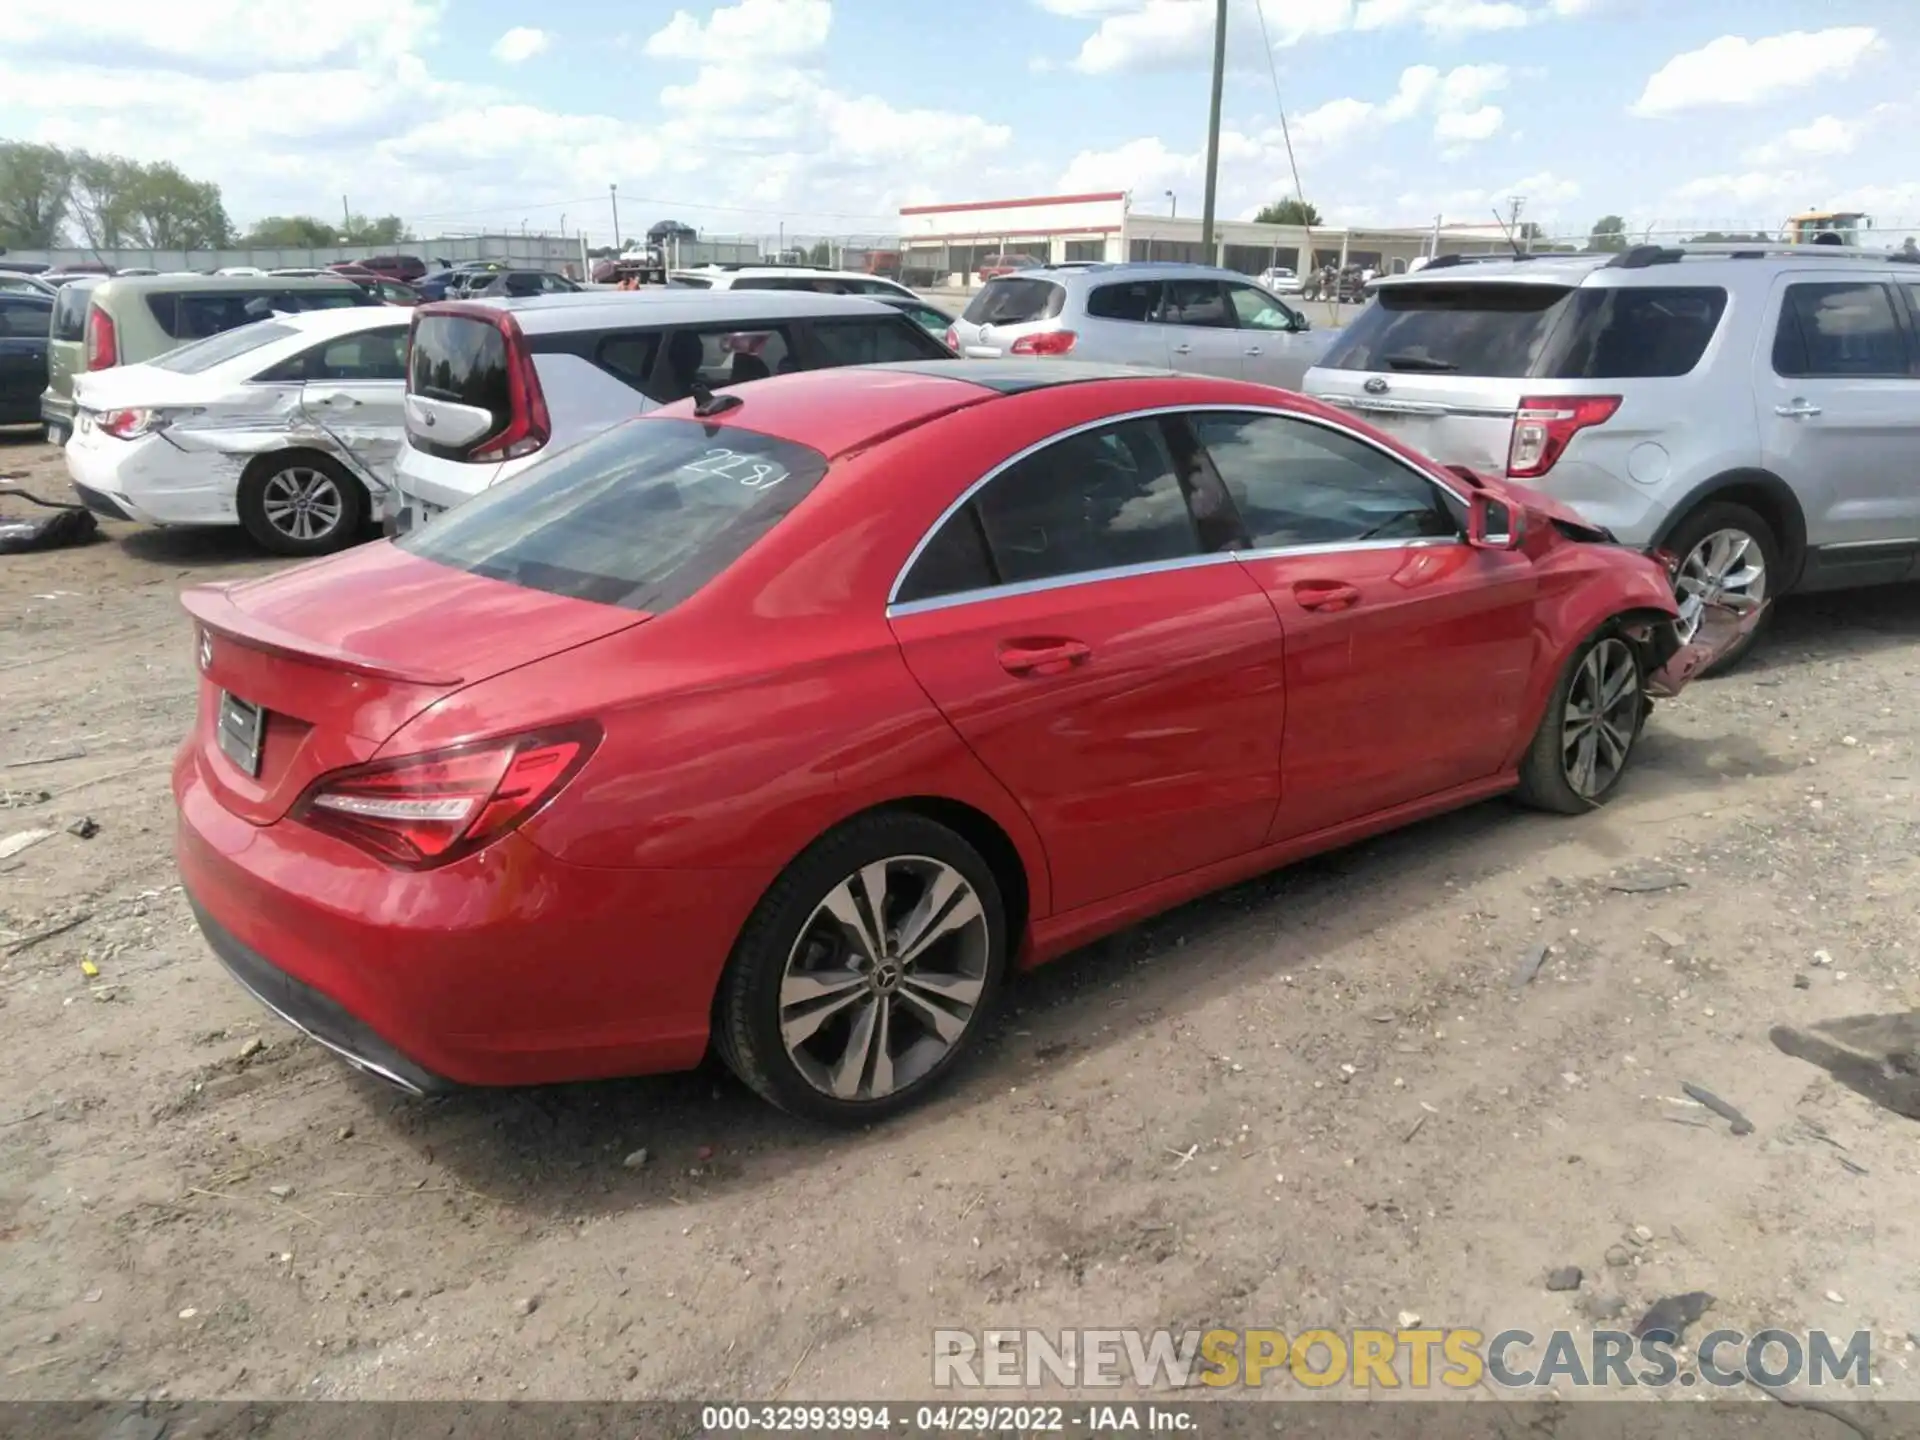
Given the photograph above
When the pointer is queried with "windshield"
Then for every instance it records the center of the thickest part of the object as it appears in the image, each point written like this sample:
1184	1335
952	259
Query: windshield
641	516
203	355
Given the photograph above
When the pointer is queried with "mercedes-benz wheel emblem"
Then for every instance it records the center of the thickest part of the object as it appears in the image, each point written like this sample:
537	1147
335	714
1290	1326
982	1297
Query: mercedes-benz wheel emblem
206	650
1376	386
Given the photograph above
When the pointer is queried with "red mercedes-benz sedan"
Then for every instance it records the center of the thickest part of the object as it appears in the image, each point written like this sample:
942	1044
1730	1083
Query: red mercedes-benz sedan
788	720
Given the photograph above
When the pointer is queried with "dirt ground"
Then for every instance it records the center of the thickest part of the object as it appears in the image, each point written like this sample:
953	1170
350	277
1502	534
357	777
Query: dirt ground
1315	1099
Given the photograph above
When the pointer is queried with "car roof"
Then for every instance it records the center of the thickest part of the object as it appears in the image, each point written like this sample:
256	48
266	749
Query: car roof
181	283
344	319
1643	265
758	271
588	309
1112	271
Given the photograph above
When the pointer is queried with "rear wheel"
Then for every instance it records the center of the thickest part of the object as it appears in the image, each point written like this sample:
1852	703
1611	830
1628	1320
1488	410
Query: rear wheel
300	503
866	972
1729	556
1592	723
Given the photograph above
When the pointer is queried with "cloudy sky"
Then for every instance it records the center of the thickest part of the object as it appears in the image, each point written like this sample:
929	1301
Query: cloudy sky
827	115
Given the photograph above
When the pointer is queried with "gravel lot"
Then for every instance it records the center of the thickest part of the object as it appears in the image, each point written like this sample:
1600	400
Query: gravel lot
1314	1099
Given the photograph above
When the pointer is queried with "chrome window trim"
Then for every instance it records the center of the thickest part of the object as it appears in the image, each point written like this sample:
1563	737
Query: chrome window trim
896	607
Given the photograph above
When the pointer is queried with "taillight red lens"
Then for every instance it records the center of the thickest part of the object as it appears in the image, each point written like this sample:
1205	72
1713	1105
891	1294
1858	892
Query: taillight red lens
953	338
103	347
528	427
1047	342
422	811
1545	424
129	424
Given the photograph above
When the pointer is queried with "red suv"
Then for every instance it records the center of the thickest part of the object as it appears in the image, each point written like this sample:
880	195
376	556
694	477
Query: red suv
395	267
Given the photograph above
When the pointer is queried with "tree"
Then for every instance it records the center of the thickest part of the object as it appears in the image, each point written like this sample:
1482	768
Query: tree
1910	248
820	253
1289	211
385	230
34	184
1609	233
167	211
293	231
1726	237
102	196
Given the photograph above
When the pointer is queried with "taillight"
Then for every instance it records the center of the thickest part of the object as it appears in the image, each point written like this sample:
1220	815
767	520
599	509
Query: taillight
1545	425
422	811
953	338
528	427
130	424
1047	342
103	347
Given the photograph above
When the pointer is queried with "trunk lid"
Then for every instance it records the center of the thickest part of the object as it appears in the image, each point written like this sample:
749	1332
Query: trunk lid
335	685
137	387
1452	419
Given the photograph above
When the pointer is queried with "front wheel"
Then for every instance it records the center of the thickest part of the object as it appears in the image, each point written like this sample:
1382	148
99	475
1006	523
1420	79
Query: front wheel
866	972
301	504
1592	724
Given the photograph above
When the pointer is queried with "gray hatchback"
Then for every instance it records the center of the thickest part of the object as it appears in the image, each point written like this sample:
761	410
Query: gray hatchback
1172	317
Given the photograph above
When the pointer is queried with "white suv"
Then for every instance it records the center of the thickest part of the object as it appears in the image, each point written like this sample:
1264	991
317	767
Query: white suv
496	385
1752	409
810	278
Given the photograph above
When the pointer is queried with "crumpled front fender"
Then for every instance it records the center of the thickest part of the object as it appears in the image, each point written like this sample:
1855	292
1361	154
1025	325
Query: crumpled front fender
1721	628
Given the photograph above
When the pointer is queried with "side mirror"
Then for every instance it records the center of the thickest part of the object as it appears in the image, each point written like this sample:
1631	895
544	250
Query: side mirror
1493	524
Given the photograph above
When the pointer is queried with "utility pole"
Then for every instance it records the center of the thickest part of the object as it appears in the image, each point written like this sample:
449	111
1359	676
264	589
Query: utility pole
613	195
346	218
1213	126
1516	204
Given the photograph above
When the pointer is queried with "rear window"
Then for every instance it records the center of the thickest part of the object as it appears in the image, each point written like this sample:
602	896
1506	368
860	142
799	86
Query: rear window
1635	333
1015	300
186	315
70	310
1490	330
215	350
640	516
461	360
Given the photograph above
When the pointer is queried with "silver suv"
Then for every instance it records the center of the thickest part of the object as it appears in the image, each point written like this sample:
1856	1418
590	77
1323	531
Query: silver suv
1173	317
1752	409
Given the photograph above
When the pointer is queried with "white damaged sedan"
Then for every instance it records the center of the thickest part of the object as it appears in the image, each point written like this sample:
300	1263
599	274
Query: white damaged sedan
288	426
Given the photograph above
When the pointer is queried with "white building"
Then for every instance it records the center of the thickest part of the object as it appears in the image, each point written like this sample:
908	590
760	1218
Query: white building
948	244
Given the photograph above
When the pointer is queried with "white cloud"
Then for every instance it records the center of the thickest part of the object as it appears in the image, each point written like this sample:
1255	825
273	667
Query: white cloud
1754	188
220	35
1442	17
753	30
1736	71
520	43
1466	126
1823	135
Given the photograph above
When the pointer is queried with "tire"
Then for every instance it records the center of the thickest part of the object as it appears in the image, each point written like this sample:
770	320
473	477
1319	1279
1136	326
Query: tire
798	1049
1552	772
271	505
1692	539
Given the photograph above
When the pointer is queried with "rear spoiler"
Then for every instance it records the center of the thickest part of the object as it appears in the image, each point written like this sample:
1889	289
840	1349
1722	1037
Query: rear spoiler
213	606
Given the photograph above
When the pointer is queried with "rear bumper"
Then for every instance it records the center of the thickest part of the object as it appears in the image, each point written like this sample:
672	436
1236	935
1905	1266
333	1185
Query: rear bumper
321	1018
56	409
99	503
148	480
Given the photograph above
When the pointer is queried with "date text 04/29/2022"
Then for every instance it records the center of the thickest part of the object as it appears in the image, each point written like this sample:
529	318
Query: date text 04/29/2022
965	1419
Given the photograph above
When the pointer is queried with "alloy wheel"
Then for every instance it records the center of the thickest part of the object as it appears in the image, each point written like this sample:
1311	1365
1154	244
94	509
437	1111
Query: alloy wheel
885	978
1601	718
1727	567
303	503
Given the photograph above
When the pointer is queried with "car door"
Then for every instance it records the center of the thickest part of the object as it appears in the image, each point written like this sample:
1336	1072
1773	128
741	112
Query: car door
24	323
1121	680
1408	651
1839	414
1122	325
355	388
1201	336
1277	345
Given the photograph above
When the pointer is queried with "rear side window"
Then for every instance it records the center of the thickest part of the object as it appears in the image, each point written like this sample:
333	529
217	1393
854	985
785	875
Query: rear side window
774	282
1839	328
1139	301
25	317
70	310
203	355
191	316
691	282
1634	333
461	360
1015	300
873	342
640	516
1495	330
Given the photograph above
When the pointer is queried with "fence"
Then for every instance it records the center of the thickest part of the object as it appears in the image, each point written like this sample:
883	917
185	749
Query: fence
532	251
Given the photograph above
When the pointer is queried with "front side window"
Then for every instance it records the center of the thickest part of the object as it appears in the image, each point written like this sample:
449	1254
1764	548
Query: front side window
1254	309
1099	500
640	516
878	341
1839	328
1297	483
719	358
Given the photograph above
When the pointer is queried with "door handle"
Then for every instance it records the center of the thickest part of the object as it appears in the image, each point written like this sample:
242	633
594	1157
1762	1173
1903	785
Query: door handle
1042	657
339	400
1253	350
1795	408
1183	349
1325	595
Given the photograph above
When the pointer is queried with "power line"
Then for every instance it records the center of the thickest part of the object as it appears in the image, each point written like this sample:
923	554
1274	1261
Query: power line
1286	137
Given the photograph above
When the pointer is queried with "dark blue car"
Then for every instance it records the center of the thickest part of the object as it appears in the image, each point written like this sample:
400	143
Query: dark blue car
24	322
